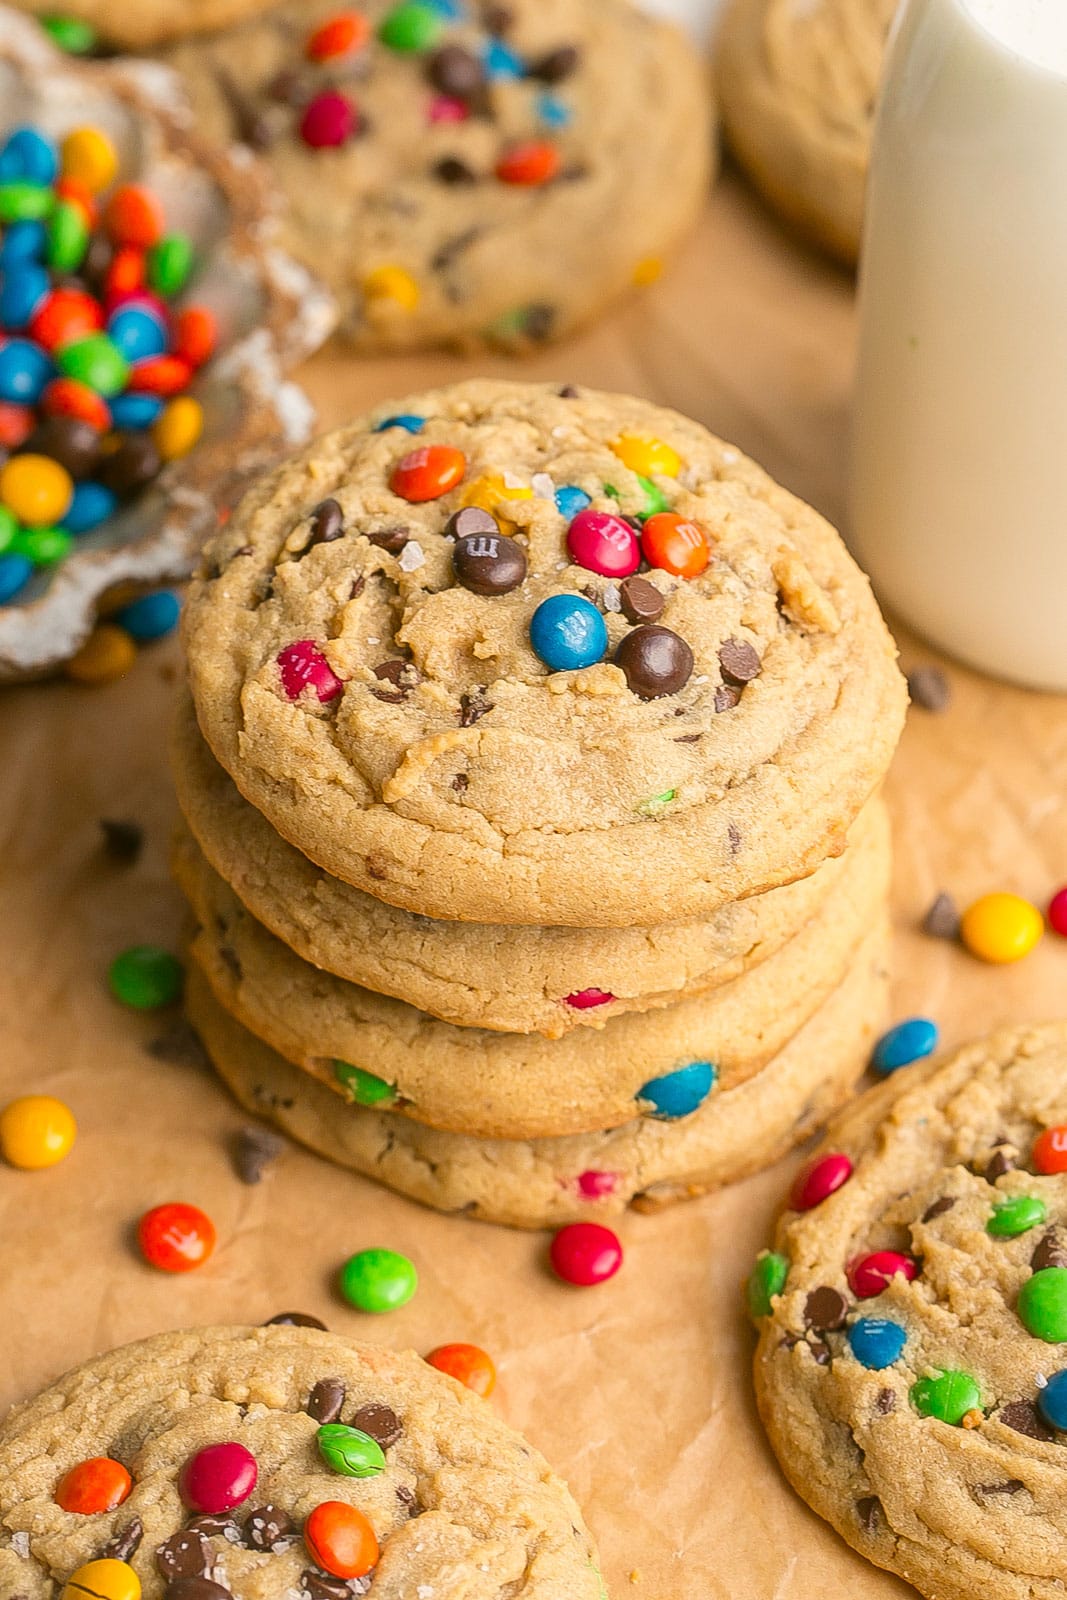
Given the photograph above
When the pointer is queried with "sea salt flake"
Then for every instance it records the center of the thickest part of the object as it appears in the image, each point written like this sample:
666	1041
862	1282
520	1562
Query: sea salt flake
411	557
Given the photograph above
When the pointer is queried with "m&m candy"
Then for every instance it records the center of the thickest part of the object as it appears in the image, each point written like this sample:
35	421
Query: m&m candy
106	1579
765	1282
36	1131
585	1253
378	1280
329	121
302	666
950	1397
1052	1401
674	544
99	1484
1042	1305
428	473
107	654
410	27
176	1237
340	1540
150	617
146	977
876	1342
568	632
339	35
604	544
679	1093
530	164
907	1042
1049	1153
819	1181
647	455
350	1451
1001	928
872	1274
1016	1215
1057	913
365	1088
468	1364
218	1478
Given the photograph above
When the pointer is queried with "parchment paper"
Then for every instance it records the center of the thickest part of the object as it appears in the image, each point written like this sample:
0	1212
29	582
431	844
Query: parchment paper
637	1391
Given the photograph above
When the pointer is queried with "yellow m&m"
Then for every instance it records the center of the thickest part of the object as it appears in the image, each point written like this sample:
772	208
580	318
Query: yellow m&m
178	427
392	283
36	489
36	1131
88	156
104	1580
647	455
108	653
1001	928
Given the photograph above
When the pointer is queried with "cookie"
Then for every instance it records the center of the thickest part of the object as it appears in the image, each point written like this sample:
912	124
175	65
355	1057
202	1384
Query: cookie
909	1363
382	1052
470	736
143	24
544	1182
518	980
228	1442
467	174
798	81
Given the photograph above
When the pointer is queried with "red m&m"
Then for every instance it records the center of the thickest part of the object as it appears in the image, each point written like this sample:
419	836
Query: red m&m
870	1275
303	666
1050	1151
584	1253
529	164
819	1181
604	544
218	1478
337	36
176	1237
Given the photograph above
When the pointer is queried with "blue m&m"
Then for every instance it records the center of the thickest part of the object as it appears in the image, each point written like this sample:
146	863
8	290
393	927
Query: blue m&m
91	504
1052	1401
907	1042
24	371
570	500
876	1342
679	1093
28	157
150	617
568	632
405	420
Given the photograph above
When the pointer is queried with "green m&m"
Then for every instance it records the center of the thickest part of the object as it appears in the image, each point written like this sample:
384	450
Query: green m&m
71	34
949	1397
350	1451
766	1280
145	977
96	362
1017	1215
410	27
363	1087
1042	1305
169	264
378	1280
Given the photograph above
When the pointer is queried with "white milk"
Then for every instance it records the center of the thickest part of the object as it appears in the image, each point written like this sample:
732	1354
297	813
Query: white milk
959	503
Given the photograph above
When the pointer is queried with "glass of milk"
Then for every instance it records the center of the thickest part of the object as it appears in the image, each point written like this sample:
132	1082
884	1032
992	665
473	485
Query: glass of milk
959	493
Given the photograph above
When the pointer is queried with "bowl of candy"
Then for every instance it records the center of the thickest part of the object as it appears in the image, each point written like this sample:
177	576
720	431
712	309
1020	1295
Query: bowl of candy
147	319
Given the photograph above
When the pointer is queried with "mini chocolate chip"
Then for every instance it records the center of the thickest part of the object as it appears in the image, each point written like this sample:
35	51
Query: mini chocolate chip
127	469
289	87
445	257
269	1528
999	1163
488	563
942	920
452	171
380	1421
254	1150
391	539
939	1207
473	706
688	738
455	71
1022	1416
727	695
825	1308
569	392
733	833
405	1495
1009	1486
929	688
326	1399
886	1402
556	65
186	1554
655	661
295	1319
739	661
328	524
869	1511
821	1353
539	319
641	601
461	783
402	676
196	1589
126	1542
358	586
123	841
468	522
70	441
789	1341
321	1586
1051	1251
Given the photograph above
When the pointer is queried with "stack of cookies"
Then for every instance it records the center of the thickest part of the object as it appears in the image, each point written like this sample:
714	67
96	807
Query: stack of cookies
530	771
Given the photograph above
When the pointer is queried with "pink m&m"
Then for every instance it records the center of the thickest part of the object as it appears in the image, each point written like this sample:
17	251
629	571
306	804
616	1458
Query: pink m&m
584	1253
587	999
595	1183
604	544
445	108
870	1275
1057	912
329	120
303	666
218	1478
819	1181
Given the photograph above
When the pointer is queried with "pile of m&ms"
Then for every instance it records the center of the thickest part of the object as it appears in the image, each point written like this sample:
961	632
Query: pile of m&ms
95	355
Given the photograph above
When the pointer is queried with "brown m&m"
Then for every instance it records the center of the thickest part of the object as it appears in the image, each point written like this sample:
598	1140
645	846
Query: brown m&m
655	660
488	563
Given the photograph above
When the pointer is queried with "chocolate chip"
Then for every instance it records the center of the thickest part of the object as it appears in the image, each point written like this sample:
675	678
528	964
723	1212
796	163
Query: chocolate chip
179	1046
886	1402
295	1319
1051	1251
391	539
380	1421
254	1150
455	71
556	65
468	522
1010	1486
942	920
688	738
446	255
999	1163
401	677
929	689
196	1589
569	392
326	1399
126	1542
214	1523
488	563
473	706
186	1554
726	697
269	1528
70	441
497	19
869	1512
452	171
405	1495
939	1207
825	1308
1022	1416
739	661
320	1586
250	126
461	783
821	1353
733	833
641	601
123	841
358	586
655	661
127	469
539	320
328	523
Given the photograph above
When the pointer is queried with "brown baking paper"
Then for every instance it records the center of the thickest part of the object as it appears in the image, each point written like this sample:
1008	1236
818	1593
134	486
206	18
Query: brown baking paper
637	1391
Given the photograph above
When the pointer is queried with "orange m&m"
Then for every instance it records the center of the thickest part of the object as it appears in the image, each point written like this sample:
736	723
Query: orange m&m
428	473
99	1484
195	335
134	216
1050	1151
338	36
341	1540
69	397
467	1364
529	164
676	545
176	1237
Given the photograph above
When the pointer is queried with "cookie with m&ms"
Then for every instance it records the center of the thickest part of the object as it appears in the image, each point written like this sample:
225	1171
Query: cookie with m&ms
542	744
79	26
280	1461
462	173
912	1363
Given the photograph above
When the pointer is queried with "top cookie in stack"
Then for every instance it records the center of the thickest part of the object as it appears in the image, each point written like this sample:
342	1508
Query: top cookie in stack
423	649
